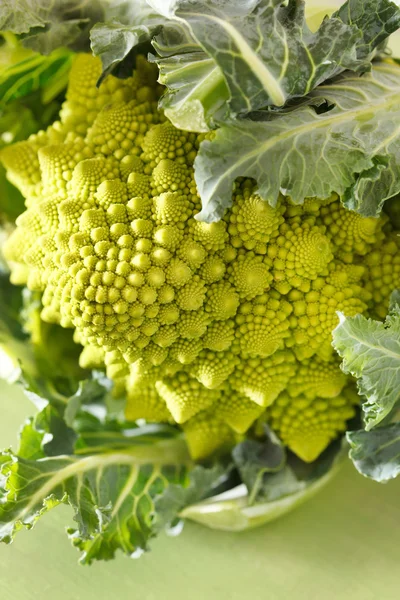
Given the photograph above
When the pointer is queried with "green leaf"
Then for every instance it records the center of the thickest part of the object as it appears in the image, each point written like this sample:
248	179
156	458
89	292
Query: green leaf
41	356
280	492
201	481
112	494
126	25
58	438
49	25
270	473
263	51
31	88
95	435
352	149
13	340
255	460
371	352
56	353
11	206
46	73
31	441
20	16
376	19
376	453
90	391
197	94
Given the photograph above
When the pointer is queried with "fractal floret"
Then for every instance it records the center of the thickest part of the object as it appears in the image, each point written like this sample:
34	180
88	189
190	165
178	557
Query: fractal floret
212	326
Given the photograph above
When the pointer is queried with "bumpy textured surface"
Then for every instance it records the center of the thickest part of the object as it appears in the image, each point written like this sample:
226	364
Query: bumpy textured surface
211	326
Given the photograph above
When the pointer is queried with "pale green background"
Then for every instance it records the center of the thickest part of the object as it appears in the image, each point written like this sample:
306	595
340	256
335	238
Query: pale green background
342	544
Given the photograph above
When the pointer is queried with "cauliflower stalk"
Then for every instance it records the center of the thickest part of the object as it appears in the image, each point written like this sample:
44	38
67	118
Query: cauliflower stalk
210	326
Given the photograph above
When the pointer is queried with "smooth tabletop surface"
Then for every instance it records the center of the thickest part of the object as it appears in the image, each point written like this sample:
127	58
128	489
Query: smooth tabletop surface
344	543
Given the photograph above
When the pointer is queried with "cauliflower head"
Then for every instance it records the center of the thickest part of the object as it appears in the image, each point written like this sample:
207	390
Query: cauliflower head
210	326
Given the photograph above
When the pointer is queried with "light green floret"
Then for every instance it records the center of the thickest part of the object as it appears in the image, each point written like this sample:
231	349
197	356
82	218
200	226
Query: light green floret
208	326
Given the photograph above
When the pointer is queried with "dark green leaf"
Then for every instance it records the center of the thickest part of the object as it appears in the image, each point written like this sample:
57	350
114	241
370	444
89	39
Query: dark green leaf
376	19
49	25
13	340
127	25
265	51
257	53
277	492
197	93
49	74
31	441
392	209
376	453
371	352
90	391
112	494
200	483
352	149
58	438
256	459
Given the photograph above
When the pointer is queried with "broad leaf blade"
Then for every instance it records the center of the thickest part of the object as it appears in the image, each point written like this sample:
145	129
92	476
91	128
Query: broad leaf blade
257	460
376	19
197	94
201	481
277	492
371	352
258	53
376	453
47	26
34	73
260	45
126	25
302	153
112	494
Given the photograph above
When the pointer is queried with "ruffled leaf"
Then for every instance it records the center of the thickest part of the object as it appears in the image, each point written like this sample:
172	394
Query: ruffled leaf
352	149
258	53
376	453
112	495
126	26
371	352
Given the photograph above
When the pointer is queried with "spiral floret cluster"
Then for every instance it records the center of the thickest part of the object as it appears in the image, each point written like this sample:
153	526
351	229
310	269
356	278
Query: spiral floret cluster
210	326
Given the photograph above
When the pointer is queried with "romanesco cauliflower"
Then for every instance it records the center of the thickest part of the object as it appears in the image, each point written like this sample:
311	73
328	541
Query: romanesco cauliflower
211	326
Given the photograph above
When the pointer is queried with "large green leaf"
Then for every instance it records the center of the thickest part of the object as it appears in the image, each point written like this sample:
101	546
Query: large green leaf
272	486
270	473
371	352
201	483
197	93
376	453
352	149
376	19
256	461
49	74
259	53
126	25
112	494
48	25
221	59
